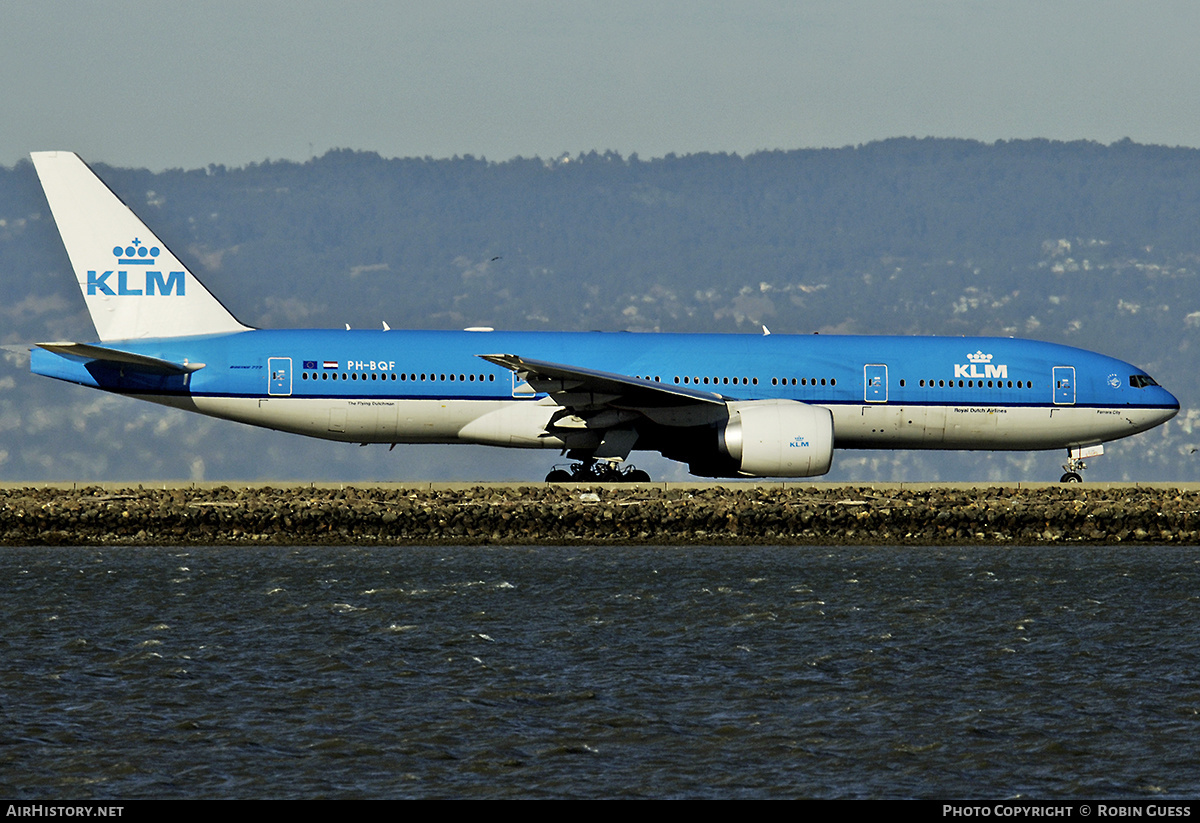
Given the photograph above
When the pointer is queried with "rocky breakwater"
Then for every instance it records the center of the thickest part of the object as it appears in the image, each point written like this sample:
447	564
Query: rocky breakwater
653	514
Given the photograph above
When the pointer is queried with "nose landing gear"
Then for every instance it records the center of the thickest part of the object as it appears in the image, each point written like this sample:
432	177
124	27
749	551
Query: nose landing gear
1075	464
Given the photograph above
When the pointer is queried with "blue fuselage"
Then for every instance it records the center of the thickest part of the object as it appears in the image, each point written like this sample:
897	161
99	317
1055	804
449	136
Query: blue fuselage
1021	384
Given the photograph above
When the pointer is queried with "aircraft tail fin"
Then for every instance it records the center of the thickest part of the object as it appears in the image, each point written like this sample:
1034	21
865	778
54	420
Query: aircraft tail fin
133	285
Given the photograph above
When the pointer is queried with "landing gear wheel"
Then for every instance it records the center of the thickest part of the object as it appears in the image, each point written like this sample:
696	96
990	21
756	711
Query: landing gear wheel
1072	467
594	471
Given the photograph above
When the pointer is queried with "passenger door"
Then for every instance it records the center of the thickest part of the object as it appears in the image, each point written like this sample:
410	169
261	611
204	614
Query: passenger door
280	378
875	383
1064	385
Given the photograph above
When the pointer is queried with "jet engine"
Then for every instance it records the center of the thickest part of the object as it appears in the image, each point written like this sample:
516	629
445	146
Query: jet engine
778	438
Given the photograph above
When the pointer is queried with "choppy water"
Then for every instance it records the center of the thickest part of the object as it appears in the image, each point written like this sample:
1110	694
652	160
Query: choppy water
609	672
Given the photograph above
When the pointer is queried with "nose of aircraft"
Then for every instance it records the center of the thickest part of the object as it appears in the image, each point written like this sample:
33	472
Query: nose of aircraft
1168	404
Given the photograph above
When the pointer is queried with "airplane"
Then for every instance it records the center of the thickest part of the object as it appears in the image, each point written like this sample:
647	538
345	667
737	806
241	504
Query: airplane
727	405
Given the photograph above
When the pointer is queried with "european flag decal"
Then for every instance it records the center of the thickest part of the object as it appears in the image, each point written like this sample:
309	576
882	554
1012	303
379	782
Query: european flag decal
310	364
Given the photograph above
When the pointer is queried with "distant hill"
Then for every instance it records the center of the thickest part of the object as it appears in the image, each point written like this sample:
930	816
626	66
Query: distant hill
1080	243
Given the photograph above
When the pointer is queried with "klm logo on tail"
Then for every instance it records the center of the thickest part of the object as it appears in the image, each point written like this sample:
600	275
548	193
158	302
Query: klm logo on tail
152	282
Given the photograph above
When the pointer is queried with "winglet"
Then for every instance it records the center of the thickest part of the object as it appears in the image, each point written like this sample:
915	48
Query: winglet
133	285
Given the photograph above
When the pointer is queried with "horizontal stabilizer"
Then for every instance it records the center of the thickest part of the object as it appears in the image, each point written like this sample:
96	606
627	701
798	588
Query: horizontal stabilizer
88	352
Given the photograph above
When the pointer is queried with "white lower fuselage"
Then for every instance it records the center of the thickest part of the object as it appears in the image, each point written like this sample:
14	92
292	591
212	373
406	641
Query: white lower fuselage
523	423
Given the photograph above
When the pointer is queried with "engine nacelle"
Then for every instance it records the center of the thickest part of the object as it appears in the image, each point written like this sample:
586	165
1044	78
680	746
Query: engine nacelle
778	438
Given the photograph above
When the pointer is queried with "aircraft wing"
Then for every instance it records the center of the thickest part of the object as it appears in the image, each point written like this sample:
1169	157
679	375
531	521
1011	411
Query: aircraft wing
605	406
88	352
578	388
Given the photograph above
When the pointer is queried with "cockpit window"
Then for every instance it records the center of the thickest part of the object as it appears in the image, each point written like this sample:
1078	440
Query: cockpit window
1141	381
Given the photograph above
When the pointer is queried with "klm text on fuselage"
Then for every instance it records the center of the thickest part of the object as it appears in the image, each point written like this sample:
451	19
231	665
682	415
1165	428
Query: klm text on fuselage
972	370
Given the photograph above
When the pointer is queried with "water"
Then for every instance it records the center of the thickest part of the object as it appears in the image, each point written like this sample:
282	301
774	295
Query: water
600	672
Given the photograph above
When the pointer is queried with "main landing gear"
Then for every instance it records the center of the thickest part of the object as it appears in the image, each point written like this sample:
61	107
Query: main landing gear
597	471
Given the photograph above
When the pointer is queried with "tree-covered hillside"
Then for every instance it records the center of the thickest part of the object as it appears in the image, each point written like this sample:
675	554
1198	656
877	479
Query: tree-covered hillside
1091	245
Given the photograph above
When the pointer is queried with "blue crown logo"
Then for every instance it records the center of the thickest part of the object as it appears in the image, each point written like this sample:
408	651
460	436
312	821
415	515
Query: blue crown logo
135	253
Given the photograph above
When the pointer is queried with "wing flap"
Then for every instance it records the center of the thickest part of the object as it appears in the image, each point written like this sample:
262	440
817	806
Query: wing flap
578	387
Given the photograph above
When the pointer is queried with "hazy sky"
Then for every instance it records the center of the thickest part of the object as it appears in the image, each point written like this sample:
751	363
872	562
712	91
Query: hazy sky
147	83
